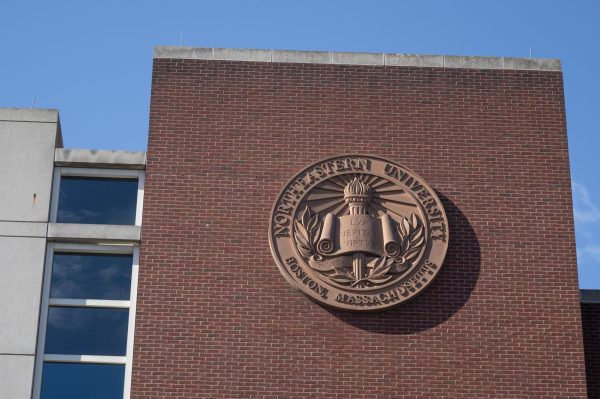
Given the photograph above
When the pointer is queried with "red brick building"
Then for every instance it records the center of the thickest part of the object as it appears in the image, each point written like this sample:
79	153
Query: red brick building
229	128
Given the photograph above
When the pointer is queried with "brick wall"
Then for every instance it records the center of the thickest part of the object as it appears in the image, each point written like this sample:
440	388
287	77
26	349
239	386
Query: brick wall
215	317
590	314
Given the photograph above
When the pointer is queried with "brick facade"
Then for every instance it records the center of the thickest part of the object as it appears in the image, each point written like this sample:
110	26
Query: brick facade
216	319
590	314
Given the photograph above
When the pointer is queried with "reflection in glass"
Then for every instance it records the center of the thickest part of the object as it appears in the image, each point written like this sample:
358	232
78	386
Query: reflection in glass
80	380
91	276
86	331
97	200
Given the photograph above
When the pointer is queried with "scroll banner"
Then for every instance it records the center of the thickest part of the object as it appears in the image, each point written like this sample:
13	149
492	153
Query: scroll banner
358	233
326	242
390	245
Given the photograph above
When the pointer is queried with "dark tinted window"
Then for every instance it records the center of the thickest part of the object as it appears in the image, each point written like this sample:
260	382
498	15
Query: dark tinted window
86	331
79	381
91	276
97	200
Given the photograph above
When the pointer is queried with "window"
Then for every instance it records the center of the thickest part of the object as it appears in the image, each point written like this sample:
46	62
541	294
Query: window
91	275
85	339
86	330
76	380
85	343
97	196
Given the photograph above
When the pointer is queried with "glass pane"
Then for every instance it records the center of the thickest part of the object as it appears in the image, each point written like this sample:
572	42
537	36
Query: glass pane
97	200
91	276
87	331
79	381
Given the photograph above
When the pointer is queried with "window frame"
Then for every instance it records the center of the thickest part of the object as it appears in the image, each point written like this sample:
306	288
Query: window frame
47	302
98	173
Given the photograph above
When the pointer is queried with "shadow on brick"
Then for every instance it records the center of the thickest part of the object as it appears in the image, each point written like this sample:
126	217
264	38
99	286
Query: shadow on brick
446	295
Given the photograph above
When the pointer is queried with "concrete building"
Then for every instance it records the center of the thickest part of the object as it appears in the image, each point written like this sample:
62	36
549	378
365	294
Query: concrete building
35	226
189	303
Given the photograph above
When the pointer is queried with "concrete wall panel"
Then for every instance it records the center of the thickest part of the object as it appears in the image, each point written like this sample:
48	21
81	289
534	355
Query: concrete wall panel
23	229
26	162
21	270
15	376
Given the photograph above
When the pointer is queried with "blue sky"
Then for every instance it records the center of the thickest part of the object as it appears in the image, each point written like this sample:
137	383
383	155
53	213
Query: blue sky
92	60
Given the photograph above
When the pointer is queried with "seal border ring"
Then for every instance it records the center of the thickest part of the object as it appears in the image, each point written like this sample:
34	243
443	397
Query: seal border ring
354	309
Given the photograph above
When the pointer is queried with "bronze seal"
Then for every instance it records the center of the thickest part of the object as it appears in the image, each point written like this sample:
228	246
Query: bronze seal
358	232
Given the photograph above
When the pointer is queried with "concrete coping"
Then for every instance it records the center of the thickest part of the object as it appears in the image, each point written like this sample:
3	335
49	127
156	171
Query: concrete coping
29	115
344	58
71	232
589	296
100	158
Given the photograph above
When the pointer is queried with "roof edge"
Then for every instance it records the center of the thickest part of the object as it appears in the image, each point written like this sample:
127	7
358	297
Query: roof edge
74	157
348	58
589	296
41	115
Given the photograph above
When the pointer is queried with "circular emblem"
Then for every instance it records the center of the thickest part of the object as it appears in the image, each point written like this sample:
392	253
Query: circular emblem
358	232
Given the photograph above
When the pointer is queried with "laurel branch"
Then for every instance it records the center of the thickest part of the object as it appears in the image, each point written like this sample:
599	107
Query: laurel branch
412	239
307	229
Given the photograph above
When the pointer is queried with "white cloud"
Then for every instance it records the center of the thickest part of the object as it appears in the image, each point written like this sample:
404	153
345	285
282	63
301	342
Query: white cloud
584	209
591	252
